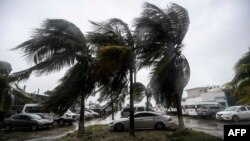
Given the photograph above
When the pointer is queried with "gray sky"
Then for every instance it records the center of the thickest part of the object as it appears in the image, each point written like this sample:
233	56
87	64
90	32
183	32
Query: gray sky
218	34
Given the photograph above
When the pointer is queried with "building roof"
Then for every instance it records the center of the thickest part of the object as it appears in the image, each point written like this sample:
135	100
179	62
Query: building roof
196	88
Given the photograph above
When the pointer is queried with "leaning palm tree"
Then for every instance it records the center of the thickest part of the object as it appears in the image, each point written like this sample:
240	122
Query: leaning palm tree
240	84
54	46
159	34
114	35
111	68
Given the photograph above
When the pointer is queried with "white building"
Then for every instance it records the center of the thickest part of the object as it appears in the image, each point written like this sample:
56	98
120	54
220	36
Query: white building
206	94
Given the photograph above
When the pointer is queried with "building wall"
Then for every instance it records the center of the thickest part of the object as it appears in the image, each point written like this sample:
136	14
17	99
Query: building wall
206	94
196	92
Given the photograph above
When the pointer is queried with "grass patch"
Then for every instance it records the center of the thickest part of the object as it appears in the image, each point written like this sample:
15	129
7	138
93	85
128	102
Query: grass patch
101	133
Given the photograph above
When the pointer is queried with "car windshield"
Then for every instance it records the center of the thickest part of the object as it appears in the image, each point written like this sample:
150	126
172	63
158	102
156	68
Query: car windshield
35	116
231	108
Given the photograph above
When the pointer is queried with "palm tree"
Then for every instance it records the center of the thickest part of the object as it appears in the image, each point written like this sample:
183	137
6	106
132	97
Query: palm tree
111	68
159	34
240	84
54	46
116	37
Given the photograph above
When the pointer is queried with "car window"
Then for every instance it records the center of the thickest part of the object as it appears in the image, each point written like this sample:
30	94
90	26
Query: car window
33	110
144	115
242	109
140	109
191	106
150	109
215	108
198	106
126	110
139	115
24	117
248	108
34	116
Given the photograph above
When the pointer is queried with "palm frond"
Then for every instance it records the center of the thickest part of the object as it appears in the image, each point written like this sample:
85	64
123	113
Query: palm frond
242	69
112	32
54	46
139	92
169	79
159	31
78	81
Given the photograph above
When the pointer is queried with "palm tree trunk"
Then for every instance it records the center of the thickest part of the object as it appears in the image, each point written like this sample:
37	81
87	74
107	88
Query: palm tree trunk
131	112
80	132
147	104
179	113
112	106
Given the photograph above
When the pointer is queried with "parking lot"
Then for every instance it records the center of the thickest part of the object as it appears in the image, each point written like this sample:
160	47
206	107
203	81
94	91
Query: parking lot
212	127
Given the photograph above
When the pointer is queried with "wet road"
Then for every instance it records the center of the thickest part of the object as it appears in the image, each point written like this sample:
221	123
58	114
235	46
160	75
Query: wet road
212	127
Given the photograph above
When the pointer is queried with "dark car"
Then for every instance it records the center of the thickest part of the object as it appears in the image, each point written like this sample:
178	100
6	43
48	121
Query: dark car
30	121
209	111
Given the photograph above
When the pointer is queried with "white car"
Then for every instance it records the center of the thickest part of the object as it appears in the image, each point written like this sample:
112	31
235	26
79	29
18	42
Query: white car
234	113
67	117
143	120
125	111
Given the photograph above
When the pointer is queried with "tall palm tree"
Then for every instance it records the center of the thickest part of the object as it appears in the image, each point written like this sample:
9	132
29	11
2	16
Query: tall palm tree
113	35
159	34
240	84
111	66
54	46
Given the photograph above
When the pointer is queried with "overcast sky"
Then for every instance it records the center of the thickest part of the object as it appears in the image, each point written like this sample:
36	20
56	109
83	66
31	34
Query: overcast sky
218	35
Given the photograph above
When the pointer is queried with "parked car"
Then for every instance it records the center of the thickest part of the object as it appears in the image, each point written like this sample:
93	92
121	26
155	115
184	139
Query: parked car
143	120
95	114
125	111
209	110
67	117
192	107
31	121
87	114
234	113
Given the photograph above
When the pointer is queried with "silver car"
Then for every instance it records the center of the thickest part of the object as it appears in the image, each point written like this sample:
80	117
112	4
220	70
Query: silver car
143	120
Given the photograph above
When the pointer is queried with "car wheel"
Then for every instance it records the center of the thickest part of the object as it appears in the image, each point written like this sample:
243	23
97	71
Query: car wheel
119	127
33	128
213	116
235	118
8	127
159	126
61	122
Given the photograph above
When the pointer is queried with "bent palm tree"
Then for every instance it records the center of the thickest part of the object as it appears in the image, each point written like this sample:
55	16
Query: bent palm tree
115	34
159	34
58	44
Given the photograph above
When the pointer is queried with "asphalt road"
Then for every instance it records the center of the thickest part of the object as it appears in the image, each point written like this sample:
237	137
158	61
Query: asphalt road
212	127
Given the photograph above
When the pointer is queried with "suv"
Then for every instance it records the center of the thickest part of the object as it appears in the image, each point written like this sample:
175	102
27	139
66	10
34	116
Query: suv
209	110
234	113
67	117
125	111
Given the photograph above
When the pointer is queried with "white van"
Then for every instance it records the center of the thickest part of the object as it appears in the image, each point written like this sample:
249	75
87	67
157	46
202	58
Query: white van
192	107
67	117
